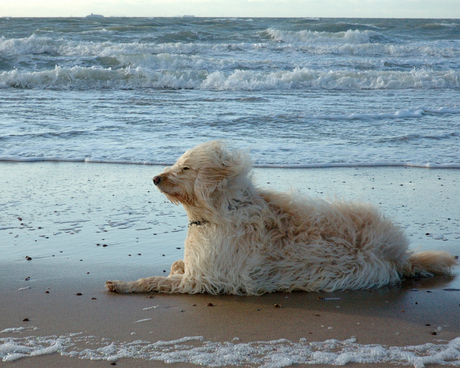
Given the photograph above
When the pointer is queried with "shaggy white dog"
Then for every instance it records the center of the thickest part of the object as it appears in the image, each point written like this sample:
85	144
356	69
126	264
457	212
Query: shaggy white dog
247	241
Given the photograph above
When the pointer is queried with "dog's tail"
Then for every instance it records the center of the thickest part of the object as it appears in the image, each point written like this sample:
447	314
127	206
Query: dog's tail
430	263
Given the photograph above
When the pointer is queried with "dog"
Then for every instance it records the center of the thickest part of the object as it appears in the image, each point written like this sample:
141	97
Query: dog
243	240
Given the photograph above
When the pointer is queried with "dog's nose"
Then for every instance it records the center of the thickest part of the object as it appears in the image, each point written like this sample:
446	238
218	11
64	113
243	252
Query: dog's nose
156	180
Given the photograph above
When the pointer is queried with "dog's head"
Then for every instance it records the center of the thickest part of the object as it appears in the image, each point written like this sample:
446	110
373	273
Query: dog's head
204	174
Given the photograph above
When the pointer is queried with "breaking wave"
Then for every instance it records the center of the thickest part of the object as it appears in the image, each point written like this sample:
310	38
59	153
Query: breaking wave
88	78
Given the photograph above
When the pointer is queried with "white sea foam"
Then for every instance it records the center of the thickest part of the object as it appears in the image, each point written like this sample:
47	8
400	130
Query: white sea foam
152	307
143	320
196	350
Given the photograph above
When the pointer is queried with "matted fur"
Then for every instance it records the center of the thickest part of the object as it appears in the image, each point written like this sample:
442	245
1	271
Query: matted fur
249	241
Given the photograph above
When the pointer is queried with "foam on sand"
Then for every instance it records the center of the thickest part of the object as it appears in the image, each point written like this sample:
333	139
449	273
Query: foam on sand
197	350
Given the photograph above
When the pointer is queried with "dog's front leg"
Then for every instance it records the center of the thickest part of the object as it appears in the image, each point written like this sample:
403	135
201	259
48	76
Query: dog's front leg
158	284
177	268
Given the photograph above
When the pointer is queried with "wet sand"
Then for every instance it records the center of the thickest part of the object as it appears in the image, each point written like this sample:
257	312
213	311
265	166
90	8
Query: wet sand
46	289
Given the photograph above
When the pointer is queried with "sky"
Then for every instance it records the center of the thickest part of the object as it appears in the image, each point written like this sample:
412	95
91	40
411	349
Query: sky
234	8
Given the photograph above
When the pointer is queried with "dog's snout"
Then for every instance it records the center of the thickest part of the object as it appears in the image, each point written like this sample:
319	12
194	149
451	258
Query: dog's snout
156	180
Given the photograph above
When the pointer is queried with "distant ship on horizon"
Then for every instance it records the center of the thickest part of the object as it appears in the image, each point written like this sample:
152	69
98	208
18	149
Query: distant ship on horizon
92	15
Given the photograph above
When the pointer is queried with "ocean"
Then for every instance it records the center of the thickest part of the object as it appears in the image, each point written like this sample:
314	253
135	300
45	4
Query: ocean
298	92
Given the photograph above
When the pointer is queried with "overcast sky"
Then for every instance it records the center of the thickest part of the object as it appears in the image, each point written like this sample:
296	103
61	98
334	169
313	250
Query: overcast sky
234	8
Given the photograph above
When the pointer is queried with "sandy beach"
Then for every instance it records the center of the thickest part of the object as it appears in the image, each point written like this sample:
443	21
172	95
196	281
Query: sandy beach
82	224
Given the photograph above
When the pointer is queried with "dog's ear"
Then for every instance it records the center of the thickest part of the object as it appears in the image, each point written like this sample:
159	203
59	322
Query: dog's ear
220	171
221	162
228	163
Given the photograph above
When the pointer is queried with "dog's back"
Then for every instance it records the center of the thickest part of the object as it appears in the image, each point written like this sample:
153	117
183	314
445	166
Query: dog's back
335	245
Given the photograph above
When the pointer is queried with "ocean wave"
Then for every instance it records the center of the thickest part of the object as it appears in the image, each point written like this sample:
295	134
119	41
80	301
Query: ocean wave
29	45
307	36
399	114
247	80
36	45
365	43
65	134
418	137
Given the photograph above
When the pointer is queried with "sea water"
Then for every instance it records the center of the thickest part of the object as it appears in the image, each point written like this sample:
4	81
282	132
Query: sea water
297	92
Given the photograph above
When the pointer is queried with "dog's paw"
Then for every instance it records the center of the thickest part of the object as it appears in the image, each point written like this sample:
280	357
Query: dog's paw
111	286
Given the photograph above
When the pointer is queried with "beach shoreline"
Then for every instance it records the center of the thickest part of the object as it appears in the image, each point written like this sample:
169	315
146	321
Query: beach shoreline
83	224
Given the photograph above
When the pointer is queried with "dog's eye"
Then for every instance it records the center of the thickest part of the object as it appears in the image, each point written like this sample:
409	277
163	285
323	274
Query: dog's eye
186	168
